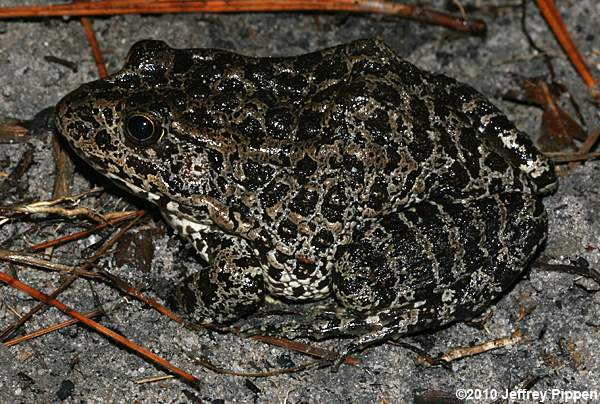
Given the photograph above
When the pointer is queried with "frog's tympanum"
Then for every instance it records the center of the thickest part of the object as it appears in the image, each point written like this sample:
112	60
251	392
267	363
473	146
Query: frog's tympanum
348	173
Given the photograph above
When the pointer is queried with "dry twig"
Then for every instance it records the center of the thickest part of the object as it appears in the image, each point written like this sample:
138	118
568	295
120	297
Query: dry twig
463	352
50	207
112	219
304	348
203	361
554	19
89	263
50	329
13	132
113	7
86	22
42	297
64	169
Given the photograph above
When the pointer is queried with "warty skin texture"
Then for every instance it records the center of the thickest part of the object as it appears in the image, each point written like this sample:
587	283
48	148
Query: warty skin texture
346	173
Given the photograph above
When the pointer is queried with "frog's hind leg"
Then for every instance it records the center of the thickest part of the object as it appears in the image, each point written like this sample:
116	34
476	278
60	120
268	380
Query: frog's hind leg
446	260
437	263
231	287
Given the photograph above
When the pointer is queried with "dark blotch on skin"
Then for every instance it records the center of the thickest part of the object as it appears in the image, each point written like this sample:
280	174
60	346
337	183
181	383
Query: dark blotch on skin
253	131
378	194
273	194
279	123
304	169
182	62
309	125
142	167
323	239
167	150
305	202
108	115
288	230
103	140
256	175
349	169
334	204
215	158
331	69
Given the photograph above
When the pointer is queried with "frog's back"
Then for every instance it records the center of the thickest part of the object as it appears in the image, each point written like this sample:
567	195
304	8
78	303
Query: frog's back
355	106
357	112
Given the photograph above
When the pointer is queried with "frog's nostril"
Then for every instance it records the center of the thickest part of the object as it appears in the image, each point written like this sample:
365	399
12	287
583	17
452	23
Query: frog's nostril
63	106
60	111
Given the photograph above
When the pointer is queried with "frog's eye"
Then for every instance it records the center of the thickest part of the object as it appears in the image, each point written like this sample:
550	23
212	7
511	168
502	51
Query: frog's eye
142	129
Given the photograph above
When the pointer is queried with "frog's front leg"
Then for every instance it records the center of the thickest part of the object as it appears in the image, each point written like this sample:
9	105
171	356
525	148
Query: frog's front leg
231	287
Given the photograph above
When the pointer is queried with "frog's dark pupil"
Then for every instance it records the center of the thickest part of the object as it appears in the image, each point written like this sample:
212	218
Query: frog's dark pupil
140	128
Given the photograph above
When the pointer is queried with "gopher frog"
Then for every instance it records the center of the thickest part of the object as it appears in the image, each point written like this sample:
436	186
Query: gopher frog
349	173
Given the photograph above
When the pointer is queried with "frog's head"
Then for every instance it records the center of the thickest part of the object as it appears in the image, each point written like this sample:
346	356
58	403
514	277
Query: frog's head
132	126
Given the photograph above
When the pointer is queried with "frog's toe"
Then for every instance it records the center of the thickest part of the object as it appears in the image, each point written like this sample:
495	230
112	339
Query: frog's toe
252	327
366	340
289	328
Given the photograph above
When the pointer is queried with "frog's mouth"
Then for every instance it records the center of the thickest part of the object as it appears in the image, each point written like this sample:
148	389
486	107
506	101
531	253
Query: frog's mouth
117	178
134	189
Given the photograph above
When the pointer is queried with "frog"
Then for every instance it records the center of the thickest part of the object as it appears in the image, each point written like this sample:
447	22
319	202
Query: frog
405	198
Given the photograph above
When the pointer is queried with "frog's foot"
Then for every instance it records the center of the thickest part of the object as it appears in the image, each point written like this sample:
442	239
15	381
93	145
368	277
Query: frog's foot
320	325
230	288
367	330
315	325
362	342
293	328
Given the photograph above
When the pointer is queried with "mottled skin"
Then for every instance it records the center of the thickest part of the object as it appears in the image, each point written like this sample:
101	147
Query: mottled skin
348	172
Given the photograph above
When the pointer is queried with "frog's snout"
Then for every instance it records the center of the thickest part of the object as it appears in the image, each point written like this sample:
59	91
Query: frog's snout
65	113
59	112
73	115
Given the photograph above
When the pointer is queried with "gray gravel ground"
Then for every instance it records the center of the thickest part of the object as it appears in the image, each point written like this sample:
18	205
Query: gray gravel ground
78	365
